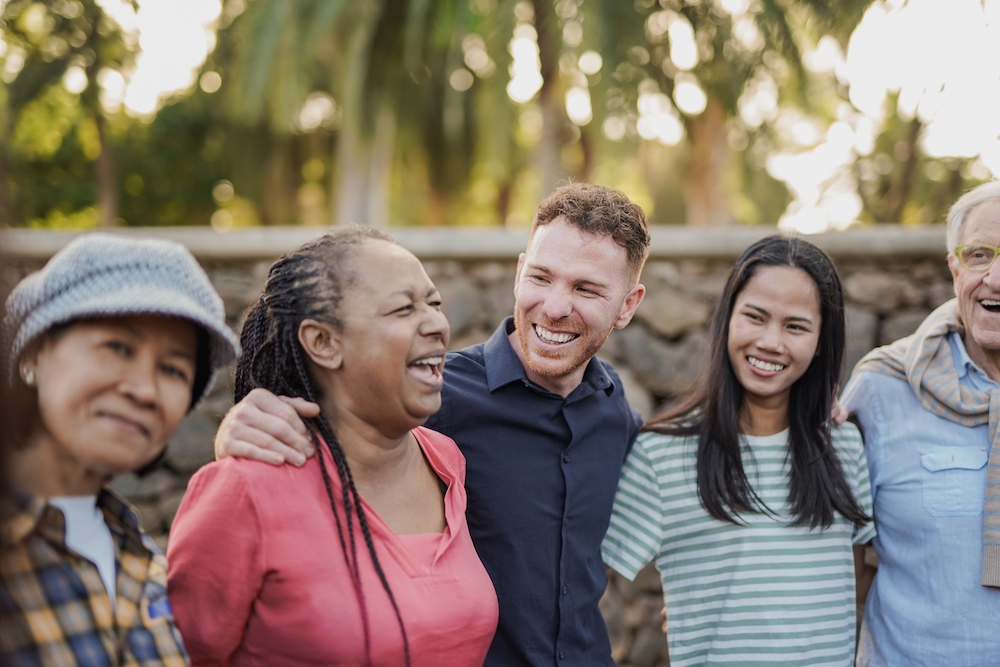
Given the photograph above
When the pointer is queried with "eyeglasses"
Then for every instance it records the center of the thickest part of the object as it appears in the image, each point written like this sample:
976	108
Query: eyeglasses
977	257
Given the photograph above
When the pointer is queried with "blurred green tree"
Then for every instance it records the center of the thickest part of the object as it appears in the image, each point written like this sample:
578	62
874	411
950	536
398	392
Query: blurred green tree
57	50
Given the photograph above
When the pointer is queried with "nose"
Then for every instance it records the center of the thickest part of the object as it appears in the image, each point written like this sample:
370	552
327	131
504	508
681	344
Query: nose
771	339
992	277
139	382
558	304
436	324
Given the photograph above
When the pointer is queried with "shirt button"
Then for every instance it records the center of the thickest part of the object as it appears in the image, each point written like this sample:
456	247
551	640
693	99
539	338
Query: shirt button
562	655
565	522
564	590
565	458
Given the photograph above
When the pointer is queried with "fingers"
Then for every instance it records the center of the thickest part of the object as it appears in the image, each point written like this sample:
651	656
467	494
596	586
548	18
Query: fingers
268	428
839	413
300	405
663	616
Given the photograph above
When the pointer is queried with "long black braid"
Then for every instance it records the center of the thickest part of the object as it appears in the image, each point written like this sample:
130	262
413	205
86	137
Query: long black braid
308	284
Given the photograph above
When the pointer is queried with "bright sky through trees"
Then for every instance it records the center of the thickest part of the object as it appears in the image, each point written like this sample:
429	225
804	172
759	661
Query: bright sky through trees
175	36
938	59
942	58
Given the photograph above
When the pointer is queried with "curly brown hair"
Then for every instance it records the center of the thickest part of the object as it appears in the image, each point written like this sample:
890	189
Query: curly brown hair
601	210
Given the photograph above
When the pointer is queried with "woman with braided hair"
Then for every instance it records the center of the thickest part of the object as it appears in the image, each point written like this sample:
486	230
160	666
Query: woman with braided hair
361	556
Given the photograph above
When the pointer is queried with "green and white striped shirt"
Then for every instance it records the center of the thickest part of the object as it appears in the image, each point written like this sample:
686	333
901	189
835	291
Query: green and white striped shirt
762	594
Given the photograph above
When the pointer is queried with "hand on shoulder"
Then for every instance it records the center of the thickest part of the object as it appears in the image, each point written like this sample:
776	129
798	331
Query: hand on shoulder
269	428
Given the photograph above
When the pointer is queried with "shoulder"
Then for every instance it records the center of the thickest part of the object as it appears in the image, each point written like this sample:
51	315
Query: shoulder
468	357
435	441
465	371
660	446
244	479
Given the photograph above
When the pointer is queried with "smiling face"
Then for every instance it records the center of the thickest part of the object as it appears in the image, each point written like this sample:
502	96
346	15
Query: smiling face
572	288
392	342
111	393
978	292
773	336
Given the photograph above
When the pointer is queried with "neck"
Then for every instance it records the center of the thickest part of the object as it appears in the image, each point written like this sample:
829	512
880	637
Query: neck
563	386
374	458
987	360
764	417
43	470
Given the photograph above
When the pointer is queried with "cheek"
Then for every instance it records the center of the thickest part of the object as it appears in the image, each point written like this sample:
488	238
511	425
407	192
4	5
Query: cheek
176	402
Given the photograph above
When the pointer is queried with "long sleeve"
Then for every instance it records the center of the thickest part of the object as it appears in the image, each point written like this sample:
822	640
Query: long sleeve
216	562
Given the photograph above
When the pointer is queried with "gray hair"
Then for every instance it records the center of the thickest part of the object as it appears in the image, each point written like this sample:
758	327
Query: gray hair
960	210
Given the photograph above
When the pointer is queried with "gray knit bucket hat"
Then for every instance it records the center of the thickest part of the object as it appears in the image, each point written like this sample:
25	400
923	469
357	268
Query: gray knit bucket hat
100	275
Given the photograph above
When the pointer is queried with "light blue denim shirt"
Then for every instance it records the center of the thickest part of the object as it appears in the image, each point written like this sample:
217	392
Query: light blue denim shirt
928	475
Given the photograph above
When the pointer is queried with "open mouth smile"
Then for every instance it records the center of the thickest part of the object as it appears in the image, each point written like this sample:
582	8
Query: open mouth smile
990	305
428	368
765	365
554	337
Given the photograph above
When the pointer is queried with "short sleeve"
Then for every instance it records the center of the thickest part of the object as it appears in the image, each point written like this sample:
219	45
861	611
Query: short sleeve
216	562
635	535
855	465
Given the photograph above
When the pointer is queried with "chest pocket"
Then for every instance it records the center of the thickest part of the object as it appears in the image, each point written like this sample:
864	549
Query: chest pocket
954	480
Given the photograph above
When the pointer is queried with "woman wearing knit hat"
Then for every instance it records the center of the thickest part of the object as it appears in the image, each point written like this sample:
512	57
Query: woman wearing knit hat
110	346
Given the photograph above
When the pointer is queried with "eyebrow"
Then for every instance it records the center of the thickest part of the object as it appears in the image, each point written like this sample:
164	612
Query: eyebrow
174	352
763	311
411	294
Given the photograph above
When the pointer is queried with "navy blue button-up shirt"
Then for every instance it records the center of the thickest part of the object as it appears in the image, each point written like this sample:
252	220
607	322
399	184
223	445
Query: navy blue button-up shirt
541	480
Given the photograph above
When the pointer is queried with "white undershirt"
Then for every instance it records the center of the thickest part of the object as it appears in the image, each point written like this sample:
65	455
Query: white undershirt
88	535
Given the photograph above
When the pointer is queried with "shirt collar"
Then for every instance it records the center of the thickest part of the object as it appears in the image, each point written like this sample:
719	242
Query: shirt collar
964	364
24	513
504	367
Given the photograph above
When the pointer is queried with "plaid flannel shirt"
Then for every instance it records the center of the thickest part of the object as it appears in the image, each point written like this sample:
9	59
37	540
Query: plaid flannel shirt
54	608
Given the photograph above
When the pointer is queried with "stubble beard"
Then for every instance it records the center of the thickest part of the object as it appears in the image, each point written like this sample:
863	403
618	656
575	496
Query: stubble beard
569	365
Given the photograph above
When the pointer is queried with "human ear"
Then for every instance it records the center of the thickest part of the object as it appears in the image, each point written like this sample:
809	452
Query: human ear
520	269
322	343
953	267
631	302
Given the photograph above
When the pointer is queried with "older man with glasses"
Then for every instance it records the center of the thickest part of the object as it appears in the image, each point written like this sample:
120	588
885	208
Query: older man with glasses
928	406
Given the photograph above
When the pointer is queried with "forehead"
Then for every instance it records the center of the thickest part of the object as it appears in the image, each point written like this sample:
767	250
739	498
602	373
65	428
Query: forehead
160	329
781	289
561	245
983	224
380	268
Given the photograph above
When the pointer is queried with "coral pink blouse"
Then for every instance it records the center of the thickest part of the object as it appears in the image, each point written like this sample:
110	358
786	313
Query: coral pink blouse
258	576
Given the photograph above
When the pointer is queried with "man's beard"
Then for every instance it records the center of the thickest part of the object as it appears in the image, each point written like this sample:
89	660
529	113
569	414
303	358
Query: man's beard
569	364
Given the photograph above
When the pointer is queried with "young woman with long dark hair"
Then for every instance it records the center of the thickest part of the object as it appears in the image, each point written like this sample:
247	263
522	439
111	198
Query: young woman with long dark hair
746	496
362	556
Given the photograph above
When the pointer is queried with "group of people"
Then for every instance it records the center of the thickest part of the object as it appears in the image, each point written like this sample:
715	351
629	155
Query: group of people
379	500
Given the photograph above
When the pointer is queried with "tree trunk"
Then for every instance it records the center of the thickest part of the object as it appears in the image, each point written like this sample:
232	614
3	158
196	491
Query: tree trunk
279	201
107	181
548	153
704	194
364	167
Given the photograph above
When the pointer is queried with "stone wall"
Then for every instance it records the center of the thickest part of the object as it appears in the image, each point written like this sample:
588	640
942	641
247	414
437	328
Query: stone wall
893	278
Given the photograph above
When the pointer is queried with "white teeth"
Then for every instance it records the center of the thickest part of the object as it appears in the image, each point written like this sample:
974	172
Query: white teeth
429	361
990	303
764	366
550	337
